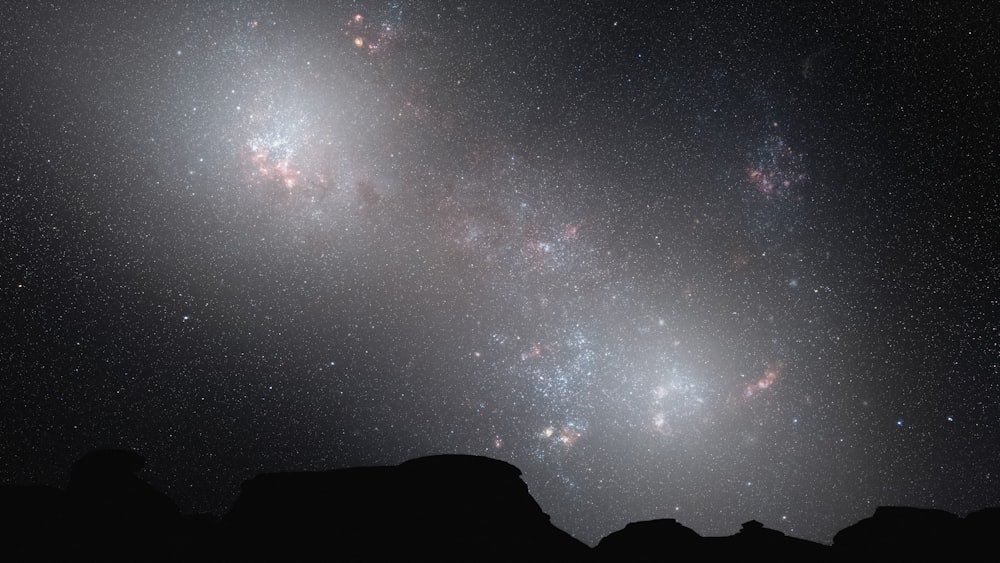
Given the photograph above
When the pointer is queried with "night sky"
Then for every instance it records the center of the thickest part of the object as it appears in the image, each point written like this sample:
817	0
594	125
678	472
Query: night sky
713	263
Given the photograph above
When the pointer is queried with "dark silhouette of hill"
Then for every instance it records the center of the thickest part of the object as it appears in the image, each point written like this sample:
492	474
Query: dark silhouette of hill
31	518
651	540
920	534
448	507
107	513
659	540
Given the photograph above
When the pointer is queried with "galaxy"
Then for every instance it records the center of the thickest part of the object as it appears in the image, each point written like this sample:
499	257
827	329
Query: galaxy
711	263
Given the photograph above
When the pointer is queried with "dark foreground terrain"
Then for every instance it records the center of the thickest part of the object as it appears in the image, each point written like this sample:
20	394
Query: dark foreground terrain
448	507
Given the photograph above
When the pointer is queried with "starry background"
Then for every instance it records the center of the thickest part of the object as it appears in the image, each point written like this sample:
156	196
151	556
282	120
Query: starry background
705	262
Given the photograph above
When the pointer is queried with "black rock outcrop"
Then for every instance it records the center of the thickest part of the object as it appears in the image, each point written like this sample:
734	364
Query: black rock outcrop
449	507
115	515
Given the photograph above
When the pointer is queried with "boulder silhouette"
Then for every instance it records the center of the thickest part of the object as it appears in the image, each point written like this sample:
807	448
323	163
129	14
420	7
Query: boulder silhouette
754	540
447	507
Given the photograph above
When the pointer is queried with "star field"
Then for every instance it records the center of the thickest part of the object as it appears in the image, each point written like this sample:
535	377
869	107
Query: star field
714	264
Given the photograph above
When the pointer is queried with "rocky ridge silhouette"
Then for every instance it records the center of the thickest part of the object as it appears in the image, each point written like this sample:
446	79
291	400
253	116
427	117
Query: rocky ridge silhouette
446	507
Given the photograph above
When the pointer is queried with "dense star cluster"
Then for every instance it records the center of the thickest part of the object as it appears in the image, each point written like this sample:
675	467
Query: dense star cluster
708	263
